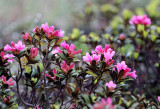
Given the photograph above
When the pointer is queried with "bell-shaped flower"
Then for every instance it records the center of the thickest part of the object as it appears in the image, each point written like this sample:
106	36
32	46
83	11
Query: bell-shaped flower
123	66
9	82
143	20
70	49
66	67
111	86
33	53
15	48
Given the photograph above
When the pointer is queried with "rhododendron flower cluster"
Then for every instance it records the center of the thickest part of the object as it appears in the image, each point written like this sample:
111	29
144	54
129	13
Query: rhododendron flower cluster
66	67
111	86
51	33
143	20
26	36
33	53
90	58
15	47
70	49
7	56
104	104
9	82
123	66
99	51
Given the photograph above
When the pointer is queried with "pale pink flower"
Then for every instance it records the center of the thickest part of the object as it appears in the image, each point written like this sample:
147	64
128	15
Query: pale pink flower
111	86
144	20
33	53
70	49
159	98
15	47
9	82
90	58
9	57
104	104
132	74
66	67
123	66
56	50
122	37
27	36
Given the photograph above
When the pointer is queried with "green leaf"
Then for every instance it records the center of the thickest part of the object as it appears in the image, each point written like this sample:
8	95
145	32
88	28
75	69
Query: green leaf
40	66
140	28
91	73
145	34
153	37
34	79
59	75
136	54
28	69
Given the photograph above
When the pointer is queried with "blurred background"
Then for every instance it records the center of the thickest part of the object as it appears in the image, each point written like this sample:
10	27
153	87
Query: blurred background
17	16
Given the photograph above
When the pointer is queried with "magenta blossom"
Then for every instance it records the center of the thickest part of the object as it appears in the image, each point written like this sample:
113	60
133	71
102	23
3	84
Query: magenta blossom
123	66
143	20
15	47
70	49
37	107
7	56
66	67
9	82
90	58
51	33
54	72
33	53
107	52
159	98
26	36
104	104
111	86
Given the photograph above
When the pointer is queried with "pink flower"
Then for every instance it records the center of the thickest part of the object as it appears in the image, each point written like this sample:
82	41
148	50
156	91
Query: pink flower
104	104
90	58
15	47
50	31
7	56
122	37
9	82
37	107
111	86
108	57
123	66
33	53
26	36
144	20
132	74
159	98
107	52
38	29
66	67
56	50
54	72
72	106
70	49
